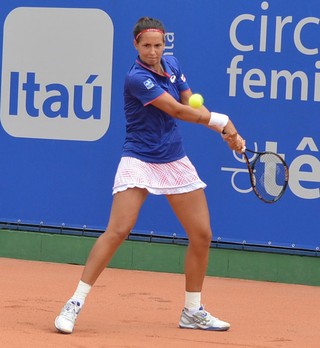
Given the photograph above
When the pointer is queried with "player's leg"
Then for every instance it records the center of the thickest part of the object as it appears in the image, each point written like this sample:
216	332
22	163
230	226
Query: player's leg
124	212
192	211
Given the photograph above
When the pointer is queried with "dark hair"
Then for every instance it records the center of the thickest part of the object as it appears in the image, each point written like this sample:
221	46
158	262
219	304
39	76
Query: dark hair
147	23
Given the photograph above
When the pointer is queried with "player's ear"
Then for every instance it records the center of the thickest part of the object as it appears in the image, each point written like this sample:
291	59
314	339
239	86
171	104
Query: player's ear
135	44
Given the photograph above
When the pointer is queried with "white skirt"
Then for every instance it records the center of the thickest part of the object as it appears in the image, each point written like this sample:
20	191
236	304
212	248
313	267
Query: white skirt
158	178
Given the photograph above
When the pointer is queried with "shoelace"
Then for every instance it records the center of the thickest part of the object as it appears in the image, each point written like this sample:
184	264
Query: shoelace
71	310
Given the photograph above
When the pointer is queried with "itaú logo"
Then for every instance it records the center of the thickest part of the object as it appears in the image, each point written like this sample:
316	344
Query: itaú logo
65	104
56	78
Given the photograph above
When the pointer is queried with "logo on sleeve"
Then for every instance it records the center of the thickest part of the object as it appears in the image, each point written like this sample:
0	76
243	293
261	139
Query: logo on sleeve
148	83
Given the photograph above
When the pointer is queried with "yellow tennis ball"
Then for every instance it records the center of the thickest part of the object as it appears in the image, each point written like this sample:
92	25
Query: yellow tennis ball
196	100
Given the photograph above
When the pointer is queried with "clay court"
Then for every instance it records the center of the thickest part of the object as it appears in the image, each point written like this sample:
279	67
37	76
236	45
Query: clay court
134	309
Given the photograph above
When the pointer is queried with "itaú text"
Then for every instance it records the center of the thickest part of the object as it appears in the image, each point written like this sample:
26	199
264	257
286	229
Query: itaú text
257	84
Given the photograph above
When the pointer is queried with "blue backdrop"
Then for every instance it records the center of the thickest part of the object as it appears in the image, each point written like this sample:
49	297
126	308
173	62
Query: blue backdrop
62	71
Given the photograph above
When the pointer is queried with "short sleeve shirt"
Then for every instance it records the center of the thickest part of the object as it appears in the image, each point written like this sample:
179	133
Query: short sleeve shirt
151	134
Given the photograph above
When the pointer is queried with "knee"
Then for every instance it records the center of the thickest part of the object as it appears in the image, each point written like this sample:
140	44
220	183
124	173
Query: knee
206	238
118	233
202	238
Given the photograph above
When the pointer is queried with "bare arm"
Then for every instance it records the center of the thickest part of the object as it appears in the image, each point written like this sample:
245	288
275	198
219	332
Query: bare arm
182	110
201	115
186	113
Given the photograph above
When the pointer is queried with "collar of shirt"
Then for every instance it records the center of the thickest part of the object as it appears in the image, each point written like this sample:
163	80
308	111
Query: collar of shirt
167	71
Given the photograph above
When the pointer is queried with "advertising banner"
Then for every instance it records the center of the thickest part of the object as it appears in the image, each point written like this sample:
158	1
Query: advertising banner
62	129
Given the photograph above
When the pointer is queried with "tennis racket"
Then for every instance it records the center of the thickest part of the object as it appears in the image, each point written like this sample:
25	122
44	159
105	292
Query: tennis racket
269	174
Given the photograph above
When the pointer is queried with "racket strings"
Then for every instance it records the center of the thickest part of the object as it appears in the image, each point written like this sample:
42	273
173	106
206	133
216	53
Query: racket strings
269	176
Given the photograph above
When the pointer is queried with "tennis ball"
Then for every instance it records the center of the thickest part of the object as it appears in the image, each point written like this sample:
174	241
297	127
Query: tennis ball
196	100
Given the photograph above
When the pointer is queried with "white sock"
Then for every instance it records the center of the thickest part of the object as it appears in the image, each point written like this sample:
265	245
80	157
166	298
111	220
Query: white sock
81	292
192	300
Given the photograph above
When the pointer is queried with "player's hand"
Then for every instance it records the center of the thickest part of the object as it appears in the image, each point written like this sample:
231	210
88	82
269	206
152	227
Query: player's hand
235	142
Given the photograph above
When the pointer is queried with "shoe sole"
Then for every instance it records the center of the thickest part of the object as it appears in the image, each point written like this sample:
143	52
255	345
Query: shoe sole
60	330
205	329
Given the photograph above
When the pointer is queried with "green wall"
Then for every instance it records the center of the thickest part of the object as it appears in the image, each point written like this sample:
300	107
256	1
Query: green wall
161	257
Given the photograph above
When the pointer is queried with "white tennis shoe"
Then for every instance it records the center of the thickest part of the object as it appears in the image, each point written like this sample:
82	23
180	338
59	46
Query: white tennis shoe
66	320
201	320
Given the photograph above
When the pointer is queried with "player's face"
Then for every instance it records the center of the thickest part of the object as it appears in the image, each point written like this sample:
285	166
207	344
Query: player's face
150	48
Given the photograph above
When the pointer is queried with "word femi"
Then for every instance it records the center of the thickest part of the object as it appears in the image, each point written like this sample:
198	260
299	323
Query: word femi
54	99
255	82
304	171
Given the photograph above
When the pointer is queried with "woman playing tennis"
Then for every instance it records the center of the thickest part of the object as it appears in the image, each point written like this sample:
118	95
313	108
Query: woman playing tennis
154	161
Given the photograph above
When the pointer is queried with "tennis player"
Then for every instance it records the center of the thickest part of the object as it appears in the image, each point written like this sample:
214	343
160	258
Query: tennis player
156	93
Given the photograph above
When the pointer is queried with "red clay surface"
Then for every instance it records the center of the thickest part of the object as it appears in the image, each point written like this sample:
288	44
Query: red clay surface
134	309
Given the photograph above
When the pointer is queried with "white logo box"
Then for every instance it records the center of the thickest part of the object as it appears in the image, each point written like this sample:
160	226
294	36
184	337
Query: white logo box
57	73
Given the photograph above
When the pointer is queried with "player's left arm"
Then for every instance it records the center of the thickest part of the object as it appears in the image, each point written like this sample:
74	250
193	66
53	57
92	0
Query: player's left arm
202	115
229	131
180	110
183	111
184	97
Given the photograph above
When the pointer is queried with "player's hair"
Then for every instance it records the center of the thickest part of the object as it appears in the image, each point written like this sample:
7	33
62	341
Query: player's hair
145	23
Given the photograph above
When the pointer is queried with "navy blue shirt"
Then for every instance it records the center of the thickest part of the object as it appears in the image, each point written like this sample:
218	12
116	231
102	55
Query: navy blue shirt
151	134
